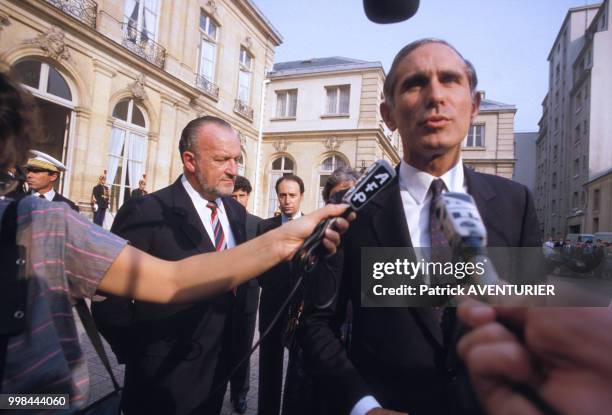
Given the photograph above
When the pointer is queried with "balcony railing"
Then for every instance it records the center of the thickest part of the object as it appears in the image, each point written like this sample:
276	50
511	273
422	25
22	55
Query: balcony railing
142	46
83	10
243	109
207	87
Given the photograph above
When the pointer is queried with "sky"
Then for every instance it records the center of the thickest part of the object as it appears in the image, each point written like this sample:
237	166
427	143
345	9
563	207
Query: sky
508	41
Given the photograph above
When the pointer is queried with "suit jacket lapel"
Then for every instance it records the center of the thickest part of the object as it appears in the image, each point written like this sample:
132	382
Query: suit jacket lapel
388	218
237	220
188	219
484	195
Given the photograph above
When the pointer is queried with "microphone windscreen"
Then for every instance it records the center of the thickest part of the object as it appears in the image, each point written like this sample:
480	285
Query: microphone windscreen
390	11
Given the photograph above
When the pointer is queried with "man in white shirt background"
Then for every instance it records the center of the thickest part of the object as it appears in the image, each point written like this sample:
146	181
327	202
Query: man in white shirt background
275	287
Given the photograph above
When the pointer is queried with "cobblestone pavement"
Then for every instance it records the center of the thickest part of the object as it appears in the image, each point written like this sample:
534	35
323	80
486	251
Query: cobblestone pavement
100	383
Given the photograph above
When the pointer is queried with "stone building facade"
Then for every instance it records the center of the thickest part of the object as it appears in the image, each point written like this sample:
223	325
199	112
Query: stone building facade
117	80
574	144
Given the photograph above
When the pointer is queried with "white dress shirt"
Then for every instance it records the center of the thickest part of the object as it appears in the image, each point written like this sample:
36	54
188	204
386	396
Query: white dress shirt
49	195
285	218
414	189
204	213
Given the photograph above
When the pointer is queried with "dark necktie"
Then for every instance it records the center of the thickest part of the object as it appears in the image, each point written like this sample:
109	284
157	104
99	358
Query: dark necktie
439	243
42	196
438	239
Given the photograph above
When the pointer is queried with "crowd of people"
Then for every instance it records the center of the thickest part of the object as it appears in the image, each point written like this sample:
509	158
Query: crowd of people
177	280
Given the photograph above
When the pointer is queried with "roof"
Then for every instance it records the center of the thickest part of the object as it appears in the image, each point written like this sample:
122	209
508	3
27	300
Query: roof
273	30
599	175
317	65
489	105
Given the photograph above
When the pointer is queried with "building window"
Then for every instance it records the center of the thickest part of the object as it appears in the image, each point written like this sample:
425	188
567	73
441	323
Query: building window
553	208
126	151
326	168
475	136
578	102
554	181
584	162
244	77
577	134
595	225
596	200
582	199
140	17
282	166
43	78
576	167
338	99
208	47
286	103
575	200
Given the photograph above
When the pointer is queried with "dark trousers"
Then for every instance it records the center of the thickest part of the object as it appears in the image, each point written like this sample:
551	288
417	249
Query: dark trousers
99	216
243	331
270	360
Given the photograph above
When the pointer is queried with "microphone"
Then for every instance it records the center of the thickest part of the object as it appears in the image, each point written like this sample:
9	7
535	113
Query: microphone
463	227
376	178
390	11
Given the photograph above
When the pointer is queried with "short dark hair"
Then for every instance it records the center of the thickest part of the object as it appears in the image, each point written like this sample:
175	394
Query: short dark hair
19	124
343	174
188	141
242	183
391	79
291	177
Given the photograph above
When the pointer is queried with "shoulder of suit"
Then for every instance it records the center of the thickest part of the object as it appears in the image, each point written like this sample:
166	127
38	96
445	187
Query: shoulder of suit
267	224
501	184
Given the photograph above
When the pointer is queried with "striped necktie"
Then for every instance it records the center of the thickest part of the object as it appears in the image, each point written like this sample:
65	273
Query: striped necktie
220	244
216	225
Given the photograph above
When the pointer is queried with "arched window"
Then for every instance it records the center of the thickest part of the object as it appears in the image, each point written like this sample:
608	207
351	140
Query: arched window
325	170
280	167
44	79
127	149
55	102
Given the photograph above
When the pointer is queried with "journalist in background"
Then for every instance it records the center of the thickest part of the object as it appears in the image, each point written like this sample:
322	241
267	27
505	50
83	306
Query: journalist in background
404	359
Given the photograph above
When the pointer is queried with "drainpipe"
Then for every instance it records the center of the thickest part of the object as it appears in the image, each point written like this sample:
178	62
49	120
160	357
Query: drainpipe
262	106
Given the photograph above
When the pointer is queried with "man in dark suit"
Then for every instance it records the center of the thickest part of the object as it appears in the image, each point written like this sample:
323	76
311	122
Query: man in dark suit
275	287
404	359
178	355
42	174
100	200
244	312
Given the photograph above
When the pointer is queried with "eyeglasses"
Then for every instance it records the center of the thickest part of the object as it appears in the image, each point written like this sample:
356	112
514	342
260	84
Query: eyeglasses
37	170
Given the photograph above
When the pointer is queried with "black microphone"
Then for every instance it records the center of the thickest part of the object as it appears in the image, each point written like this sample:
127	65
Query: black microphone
376	178
390	11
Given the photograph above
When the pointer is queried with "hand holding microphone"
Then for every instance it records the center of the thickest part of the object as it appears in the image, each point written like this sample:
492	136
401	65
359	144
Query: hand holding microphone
376	178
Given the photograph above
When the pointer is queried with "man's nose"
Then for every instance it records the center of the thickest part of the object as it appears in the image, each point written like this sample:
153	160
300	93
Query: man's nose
435	93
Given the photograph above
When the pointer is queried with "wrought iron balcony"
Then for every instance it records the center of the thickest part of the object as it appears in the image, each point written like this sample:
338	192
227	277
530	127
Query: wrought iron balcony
243	109
207	87
141	45
83	10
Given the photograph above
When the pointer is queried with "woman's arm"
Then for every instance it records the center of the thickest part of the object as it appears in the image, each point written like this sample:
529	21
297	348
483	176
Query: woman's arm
138	275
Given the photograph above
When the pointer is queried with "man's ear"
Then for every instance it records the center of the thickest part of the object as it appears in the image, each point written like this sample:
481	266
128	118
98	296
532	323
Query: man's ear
475	106
189	161
385	112
54	176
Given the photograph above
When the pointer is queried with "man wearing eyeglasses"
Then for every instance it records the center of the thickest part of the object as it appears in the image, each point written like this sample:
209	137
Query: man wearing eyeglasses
42	173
